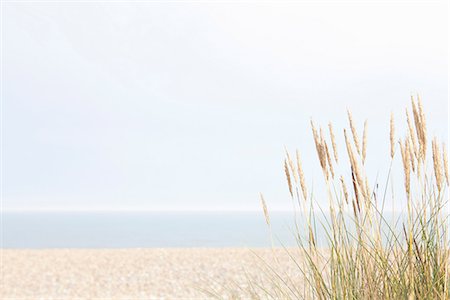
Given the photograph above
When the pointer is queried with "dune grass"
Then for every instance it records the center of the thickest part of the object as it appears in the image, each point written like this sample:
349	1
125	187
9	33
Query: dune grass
367	255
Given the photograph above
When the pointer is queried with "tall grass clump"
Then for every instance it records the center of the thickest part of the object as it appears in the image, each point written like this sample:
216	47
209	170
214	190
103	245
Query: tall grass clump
366	253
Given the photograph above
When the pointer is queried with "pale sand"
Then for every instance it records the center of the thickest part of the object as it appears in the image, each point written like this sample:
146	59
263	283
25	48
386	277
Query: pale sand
133	273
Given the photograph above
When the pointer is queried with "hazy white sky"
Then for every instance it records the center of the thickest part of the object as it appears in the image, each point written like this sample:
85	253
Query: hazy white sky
188	105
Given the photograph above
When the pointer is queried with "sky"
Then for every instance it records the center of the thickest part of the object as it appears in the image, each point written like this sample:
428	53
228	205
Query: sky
188	106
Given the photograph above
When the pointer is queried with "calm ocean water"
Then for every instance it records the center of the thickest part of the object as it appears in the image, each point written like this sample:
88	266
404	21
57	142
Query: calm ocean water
143	229
152	229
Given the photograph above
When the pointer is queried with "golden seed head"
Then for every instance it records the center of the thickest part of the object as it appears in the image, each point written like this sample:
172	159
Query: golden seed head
411	135
419	121
320	149
288	177
407	167
392	135
423	124
349	147
356	190
419	168
411	154
315	135
330	163
355	166
445	160
416	117
323	154
266	212
323	162
437	164
344	189
317	142
354	132
333	142
291	165
406	164
367	188
301	175
364	145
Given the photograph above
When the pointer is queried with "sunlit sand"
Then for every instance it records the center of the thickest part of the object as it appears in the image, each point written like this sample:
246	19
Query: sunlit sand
132	273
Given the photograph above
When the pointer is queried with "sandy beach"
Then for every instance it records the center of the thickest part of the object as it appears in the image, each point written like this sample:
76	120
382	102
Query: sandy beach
167	273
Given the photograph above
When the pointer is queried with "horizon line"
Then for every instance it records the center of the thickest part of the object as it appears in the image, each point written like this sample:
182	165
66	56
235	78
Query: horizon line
162	210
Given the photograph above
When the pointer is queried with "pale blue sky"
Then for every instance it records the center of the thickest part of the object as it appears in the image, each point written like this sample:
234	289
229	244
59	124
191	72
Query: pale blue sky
188	106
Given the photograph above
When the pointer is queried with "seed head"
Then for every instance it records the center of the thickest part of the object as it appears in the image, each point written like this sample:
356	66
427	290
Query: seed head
392	135
406	164
330	163
333	142
301	175
291	165
354	132
266	212
364	145
423	124
344	189
411	135
437	164
445	160
288	177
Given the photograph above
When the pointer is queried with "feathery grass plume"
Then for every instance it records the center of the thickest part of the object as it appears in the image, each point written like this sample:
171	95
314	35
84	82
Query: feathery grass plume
411	154
407	167
418	168
437	164
412	149
301	175
419	121
354	166
411	135
315	134
367	185
392	135
419	133
322	146
416	118
330	163
264	206
291	165
333	142
349	147
320	149
364	145
423	124
288	177
356	191
361	182
405	163
344	189
445	160
356	209
354	131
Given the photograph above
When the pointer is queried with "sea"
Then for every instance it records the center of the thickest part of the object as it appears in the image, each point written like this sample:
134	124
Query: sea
58	229
181	229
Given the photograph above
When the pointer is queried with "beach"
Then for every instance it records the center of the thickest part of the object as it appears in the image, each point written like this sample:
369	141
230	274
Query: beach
151	273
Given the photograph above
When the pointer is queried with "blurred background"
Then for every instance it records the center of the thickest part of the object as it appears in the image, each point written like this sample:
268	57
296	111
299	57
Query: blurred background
187	106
